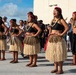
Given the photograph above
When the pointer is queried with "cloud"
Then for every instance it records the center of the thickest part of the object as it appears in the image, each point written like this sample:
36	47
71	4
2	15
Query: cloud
8	9
12	10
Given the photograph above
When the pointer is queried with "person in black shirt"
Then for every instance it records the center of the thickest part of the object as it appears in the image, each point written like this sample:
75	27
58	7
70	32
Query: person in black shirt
41	35
73	43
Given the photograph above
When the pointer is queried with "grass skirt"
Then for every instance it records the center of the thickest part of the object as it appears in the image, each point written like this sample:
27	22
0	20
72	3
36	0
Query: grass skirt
3	45
15	44
31	40
56	51
31	49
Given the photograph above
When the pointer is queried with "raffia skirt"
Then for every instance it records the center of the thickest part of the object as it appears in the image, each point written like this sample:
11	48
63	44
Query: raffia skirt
3	45
15	44
56	49
31	45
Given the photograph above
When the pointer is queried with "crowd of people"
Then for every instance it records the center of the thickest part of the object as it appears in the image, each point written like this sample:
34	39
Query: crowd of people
30	36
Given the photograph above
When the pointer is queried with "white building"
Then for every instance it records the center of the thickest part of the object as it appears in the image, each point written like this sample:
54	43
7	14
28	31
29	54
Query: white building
44	8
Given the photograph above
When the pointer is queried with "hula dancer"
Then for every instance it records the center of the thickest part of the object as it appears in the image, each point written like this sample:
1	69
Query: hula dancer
31	41
3	45
15	43
56	46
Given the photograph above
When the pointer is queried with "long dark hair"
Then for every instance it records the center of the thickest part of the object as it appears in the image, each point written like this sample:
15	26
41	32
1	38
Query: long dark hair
1	22
33	17
59	12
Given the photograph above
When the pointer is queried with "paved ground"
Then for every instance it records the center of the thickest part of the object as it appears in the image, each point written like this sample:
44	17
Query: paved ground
44	66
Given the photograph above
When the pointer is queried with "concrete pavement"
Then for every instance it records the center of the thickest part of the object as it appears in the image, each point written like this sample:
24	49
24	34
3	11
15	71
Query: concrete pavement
44	67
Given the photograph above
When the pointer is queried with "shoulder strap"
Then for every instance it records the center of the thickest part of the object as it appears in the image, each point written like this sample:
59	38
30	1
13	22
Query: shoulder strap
55	22
32	25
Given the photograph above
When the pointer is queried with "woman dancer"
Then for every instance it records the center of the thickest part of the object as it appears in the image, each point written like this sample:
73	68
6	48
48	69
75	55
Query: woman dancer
31	41
15	43
3	45
56	46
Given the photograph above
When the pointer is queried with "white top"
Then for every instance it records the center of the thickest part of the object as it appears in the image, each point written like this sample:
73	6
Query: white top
22	27
7	24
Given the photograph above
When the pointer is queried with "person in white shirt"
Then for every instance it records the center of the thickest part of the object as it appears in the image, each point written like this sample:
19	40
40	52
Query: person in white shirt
5	21
21	26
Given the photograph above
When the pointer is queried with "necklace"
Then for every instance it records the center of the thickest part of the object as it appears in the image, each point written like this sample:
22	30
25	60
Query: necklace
27	27
55	21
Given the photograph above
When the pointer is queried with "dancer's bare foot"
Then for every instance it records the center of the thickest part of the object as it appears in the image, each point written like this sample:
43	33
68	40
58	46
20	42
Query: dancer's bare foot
2	59
28	64
12	61
33	65
15	62
54	71
59	72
